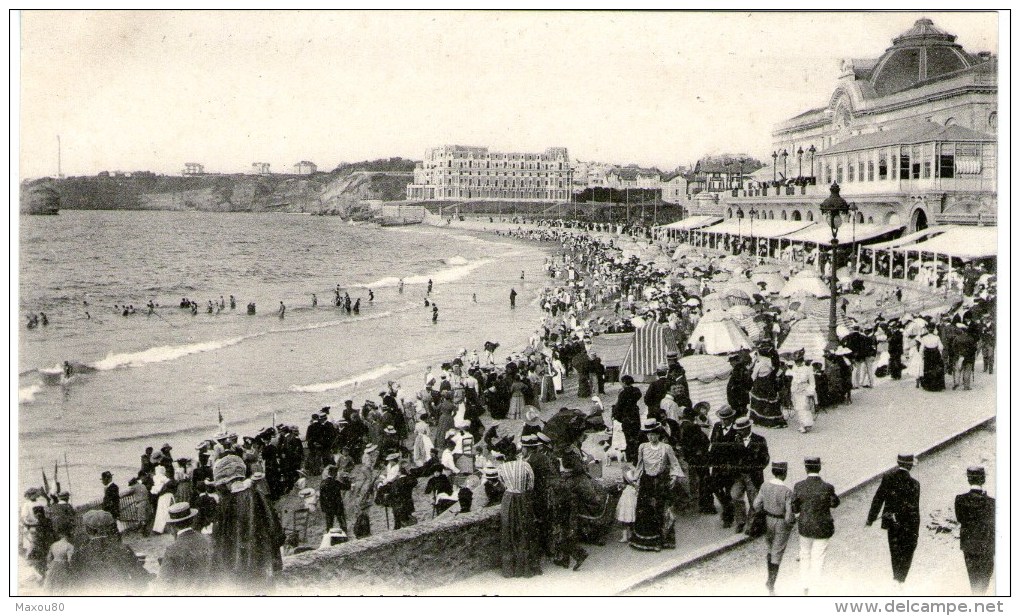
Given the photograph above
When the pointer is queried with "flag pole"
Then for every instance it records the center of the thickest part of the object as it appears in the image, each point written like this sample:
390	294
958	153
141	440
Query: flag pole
67	471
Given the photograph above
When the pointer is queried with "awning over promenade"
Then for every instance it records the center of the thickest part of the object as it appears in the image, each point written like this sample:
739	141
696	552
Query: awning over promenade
961	242
819	233
911	238
748	227
691	222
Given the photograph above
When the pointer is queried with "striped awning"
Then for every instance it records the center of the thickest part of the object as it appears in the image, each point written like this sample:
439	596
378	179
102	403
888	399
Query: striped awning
691	222
612	349
748	227
848	233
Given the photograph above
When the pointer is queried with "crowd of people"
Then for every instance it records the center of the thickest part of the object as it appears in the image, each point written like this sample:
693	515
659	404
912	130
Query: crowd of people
474	431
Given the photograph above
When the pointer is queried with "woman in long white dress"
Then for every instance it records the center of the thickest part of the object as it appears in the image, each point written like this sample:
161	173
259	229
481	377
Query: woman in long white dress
802	392
165	499
557	373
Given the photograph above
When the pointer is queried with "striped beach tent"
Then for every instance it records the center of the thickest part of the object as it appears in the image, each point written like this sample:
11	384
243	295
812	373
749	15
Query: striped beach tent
649	348
707	376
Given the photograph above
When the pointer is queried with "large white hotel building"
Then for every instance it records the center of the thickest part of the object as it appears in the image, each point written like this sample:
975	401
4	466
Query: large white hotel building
462	173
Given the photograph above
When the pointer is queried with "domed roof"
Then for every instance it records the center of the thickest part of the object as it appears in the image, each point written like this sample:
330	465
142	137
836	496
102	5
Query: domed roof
922	52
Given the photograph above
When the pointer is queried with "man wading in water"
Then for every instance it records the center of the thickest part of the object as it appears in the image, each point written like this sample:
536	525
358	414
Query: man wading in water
513	298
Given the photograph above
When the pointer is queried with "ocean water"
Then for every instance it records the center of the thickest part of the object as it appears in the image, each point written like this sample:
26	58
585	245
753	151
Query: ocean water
164	378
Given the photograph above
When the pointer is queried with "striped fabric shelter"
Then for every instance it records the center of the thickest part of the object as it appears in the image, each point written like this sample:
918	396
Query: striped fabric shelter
649	348
707	376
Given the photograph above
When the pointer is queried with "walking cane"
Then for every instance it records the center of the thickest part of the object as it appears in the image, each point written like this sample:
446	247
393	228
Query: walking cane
387	510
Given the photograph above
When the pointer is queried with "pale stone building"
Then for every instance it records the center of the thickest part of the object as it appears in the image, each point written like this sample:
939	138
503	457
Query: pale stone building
461	173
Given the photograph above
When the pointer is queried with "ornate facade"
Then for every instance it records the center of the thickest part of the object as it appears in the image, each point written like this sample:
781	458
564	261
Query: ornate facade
909	136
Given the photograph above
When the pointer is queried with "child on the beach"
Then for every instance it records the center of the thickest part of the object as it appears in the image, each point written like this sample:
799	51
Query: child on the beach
626	507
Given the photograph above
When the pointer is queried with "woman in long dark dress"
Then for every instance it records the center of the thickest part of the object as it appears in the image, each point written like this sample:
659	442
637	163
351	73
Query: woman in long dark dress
765	409
659	471
519	545
933	377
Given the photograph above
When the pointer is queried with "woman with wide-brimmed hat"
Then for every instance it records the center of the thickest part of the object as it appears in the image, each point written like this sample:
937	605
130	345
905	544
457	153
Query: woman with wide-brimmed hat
659	472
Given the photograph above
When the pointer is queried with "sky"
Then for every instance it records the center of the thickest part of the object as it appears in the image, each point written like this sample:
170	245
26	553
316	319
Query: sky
153	90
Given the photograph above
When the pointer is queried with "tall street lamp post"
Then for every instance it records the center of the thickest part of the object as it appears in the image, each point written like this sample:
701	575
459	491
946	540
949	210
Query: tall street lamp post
784	154
800	161
775	155
812	151
833	208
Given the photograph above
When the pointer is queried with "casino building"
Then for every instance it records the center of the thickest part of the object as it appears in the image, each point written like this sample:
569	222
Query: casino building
910	137
463	173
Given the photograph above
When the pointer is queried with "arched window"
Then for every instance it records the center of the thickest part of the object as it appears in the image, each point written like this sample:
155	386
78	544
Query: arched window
811	216
783	215
796	215
860	218
993	120
871	220
772	215
729	213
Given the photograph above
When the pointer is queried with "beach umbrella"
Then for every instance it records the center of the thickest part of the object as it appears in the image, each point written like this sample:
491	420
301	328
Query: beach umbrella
715	301
721	277
693	302
766	269
691	284
740	312
773	281
801	285
722	335
737	296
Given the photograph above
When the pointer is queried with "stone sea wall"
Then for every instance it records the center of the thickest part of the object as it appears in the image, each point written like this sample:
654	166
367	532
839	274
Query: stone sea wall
408	560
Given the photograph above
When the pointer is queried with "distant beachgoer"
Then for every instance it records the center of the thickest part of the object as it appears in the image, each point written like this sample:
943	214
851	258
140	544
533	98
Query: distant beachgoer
315	300
522	274
429	292
194	308
87	315
400	286
43	319
209	308
513	298
152	307
222	303
427	302
251	308
474	297
371	295
68	369
233	304
283	310
357	306
435	313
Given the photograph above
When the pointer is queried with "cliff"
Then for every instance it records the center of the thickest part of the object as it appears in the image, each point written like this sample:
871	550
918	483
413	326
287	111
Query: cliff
341	191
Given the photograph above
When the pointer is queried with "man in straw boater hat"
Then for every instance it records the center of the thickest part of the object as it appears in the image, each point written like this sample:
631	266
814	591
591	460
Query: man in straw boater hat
248	536
186	565
975	511
898	499
775	499
813	501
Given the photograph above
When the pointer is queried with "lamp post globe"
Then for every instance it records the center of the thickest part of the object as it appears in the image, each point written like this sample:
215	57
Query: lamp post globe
833	209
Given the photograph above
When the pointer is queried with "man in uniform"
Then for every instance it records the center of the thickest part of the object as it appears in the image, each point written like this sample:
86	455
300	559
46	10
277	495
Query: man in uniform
898	499
975	511
813	500
775	499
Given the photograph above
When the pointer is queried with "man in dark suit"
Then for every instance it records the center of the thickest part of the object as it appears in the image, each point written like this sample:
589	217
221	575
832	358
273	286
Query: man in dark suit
720	453
738	388
185	566
750	457
111	495
331	499
975	511
813	500
694	444
898	499
895	350
658	388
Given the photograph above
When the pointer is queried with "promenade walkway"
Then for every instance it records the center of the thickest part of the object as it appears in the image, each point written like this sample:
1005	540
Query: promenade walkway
855	442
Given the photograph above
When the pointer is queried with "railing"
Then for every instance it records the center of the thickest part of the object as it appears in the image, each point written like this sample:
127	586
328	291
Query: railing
965	219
